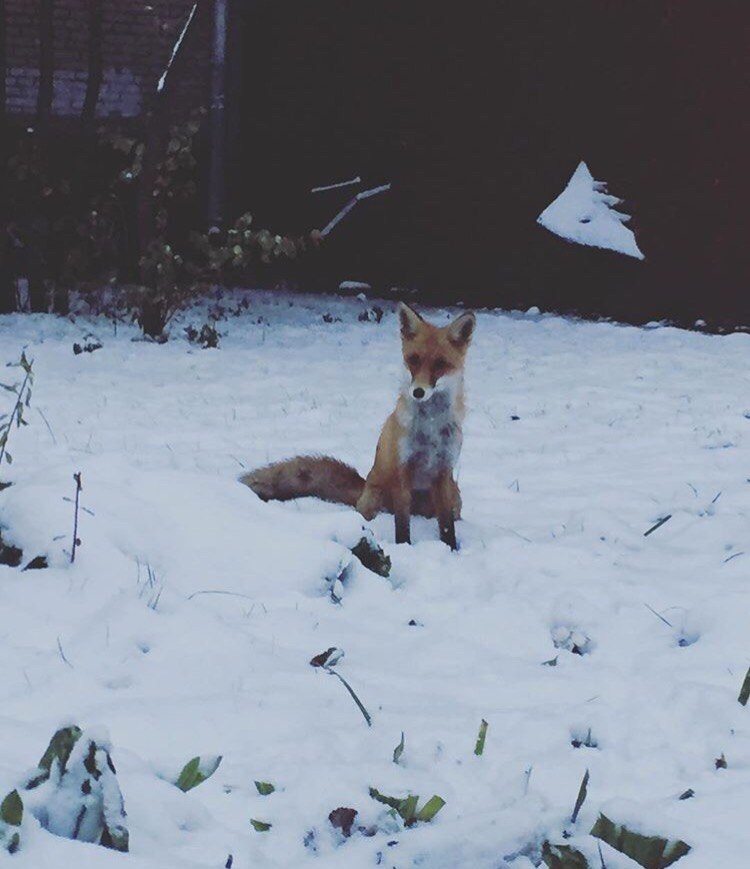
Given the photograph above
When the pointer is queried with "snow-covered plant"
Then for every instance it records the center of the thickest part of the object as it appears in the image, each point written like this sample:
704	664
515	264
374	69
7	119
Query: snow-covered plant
406	807
11	816
369	552
260	826
22	392
745	690
651	852
75	790
208	336
196	771
326	661
481	737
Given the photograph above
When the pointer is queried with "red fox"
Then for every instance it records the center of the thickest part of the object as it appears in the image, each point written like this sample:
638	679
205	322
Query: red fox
418	446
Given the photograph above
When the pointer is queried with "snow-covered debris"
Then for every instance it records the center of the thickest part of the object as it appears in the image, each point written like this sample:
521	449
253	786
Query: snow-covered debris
176	49
364	194
336	185
584	213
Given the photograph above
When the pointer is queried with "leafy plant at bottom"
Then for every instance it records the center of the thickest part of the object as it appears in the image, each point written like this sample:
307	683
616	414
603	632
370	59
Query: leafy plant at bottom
196	771
745	690
399	749
78	793
372	556
260	826
406	807
563	857
11	815
481	736
581	798
326	661
651	852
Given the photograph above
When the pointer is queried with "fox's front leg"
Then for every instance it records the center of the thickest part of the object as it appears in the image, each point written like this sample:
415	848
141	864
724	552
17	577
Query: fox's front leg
447	502
402	506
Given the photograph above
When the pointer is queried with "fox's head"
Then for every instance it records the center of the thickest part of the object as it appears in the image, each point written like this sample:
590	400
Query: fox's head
433	355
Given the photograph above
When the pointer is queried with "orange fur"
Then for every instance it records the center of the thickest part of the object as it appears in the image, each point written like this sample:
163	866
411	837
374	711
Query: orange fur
418	445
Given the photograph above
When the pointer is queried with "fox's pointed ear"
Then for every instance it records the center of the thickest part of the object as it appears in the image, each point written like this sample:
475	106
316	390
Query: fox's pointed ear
461	330
409	319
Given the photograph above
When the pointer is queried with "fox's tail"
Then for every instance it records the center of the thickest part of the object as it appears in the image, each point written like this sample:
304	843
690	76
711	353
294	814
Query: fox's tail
314	476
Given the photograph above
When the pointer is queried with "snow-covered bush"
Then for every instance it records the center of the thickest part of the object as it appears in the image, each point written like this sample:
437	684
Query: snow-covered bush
74	792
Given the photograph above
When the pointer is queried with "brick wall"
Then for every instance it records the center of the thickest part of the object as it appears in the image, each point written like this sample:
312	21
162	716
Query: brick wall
137	41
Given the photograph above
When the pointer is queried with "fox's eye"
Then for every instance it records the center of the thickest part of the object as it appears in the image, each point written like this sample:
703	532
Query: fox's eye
413	360
440	364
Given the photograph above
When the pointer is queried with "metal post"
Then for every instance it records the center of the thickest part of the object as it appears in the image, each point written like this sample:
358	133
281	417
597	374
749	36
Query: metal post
216	175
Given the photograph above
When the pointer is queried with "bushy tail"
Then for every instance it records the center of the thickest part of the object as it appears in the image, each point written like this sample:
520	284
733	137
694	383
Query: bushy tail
306	476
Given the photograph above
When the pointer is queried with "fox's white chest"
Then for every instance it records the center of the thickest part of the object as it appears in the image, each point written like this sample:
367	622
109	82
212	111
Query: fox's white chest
432	440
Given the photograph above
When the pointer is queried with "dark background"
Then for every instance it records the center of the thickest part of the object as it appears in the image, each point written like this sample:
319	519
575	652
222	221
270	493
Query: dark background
478	113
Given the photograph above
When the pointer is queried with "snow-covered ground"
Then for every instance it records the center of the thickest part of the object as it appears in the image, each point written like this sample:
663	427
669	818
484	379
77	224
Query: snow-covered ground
187	623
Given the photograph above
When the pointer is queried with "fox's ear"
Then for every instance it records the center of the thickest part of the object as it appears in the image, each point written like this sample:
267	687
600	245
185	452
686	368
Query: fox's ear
461	329
409	319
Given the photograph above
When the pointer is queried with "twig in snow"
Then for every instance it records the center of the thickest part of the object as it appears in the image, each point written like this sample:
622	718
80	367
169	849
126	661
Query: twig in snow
601	856
62	654
658	615
365	194
658	524
527	775
218	591
76	540
81	508
49	427
736	555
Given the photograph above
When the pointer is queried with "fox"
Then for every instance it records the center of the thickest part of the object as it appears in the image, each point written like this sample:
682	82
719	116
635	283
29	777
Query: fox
418	447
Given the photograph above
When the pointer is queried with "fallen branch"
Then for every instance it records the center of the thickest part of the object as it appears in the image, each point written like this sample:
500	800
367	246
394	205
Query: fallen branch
365	194
76	540
336	185
176	48
658	524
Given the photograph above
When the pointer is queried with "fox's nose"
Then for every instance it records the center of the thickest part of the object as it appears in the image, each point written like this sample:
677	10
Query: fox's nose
418	392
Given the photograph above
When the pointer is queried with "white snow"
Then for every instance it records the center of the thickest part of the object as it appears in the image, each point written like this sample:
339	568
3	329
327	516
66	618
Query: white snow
354	285
584	213
190	615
